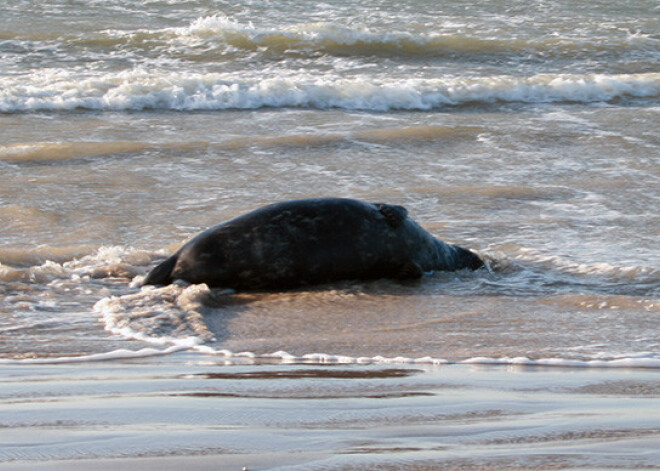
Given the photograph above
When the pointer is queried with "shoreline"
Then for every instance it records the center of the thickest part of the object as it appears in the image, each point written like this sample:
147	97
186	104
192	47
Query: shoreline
633	360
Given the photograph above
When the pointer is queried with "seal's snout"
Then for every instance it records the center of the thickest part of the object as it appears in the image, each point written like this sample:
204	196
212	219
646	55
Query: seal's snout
468	259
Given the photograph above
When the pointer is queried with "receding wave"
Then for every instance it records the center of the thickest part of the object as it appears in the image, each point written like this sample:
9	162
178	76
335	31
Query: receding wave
153	90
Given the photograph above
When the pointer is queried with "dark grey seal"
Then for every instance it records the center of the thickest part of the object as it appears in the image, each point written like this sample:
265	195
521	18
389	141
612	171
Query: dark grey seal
311	241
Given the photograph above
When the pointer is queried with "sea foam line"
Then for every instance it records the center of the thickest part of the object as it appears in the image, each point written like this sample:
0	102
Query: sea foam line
162	90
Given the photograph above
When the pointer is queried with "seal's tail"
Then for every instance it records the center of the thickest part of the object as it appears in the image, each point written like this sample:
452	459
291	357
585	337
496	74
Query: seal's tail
162	273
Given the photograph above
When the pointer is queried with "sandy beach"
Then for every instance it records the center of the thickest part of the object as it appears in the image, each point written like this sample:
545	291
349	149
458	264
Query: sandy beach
189	411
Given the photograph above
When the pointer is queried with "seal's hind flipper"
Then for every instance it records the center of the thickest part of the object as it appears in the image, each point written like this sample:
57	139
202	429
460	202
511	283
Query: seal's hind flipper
162	273
394	215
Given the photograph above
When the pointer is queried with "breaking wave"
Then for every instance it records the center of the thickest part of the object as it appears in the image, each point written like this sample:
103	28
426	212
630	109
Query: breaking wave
153	90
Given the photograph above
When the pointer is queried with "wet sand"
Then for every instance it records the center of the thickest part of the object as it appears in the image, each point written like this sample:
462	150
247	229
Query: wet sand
202	412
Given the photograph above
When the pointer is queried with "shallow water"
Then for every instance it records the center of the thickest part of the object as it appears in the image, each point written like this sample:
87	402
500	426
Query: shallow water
563	212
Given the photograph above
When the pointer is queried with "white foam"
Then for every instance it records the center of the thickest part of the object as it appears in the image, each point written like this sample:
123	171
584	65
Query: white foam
633	360
141	89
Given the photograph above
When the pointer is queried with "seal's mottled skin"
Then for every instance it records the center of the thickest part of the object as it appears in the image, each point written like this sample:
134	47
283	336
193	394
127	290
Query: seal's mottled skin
311	241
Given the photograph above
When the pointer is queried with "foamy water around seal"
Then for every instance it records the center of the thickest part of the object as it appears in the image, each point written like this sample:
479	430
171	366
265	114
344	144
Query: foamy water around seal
193	317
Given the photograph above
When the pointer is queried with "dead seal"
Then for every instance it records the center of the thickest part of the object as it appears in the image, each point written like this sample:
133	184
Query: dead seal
311	241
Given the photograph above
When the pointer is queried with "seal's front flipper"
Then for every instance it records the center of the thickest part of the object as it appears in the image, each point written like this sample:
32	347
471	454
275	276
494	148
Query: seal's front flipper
394	215
162	273
410	270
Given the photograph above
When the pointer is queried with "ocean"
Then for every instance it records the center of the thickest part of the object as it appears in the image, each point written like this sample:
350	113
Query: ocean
527	131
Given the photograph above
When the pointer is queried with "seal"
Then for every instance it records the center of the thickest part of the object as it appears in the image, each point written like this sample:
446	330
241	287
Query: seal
311	241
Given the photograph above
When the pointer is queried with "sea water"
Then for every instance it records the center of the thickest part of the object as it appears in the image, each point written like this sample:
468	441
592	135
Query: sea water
526	131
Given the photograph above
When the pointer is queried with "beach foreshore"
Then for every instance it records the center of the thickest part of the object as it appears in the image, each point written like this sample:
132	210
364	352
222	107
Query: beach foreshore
200	412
